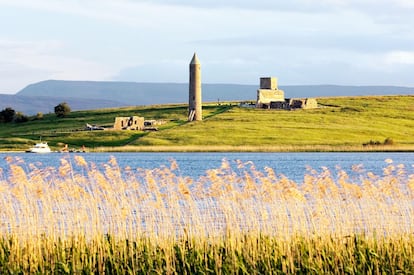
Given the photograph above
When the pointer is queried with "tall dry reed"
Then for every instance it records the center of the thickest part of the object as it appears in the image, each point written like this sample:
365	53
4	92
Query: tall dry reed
235	217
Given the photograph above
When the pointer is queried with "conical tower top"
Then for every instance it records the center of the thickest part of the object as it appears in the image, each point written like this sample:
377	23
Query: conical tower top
195	60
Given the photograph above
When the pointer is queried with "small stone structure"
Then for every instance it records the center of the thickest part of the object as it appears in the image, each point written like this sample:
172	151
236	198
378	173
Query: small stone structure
270	97
129	123
268	93
303	103
153	122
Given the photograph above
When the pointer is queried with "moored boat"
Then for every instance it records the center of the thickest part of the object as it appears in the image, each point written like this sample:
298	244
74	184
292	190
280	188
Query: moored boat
40	147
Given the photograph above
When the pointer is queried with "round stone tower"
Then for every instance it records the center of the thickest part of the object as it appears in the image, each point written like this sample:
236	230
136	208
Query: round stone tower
194	99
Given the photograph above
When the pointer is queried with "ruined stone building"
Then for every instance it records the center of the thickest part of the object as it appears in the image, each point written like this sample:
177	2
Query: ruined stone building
303	103
129	123
270	97
268	92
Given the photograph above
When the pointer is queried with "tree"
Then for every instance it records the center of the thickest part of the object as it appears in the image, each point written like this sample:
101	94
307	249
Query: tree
20	117
62	109
39	115
7	115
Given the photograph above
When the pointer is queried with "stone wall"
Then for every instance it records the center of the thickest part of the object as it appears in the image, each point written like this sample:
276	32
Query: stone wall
265	97
268	92
268	83
129	123
303	103
270	97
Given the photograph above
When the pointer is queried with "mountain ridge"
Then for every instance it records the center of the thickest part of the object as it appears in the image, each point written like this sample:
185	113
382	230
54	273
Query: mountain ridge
83	95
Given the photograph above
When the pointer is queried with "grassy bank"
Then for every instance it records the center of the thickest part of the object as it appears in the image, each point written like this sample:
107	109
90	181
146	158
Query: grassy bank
81	219
340	124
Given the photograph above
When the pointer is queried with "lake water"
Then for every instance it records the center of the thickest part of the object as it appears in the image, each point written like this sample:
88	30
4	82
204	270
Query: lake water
138	207
292	165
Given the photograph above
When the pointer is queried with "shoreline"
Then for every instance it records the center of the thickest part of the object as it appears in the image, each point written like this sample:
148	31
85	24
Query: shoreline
252	149
257	149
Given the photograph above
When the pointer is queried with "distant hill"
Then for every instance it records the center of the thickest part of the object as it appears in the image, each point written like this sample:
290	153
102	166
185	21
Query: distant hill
134	93
82	95
31	105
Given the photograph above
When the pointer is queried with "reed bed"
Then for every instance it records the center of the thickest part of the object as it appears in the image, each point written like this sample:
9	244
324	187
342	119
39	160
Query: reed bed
256	148
83	218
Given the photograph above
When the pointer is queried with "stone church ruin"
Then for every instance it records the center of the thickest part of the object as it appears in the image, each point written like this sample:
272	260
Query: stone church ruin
270	97
129	123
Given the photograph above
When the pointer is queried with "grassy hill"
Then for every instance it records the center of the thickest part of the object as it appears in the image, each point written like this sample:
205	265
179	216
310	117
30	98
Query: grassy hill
341	123
87	95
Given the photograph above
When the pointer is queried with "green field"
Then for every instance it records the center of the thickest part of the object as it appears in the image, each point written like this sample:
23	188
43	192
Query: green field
340	124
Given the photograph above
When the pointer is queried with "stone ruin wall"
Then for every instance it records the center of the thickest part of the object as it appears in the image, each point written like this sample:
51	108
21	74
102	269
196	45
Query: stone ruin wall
129	123
303	103
268	92
270	97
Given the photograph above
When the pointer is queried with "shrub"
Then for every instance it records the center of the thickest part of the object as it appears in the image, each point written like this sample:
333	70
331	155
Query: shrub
62	109
39	115
7	115
388	141
20	117
372	142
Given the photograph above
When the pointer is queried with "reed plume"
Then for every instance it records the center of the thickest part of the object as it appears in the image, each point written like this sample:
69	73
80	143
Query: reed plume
236	206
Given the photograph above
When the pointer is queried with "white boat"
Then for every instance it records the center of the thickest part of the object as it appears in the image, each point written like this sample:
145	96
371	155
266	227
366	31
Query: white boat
40	147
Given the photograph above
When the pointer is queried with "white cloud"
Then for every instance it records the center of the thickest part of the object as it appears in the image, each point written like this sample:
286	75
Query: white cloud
405	3
382	6
36	61
237	40
132	13
400	57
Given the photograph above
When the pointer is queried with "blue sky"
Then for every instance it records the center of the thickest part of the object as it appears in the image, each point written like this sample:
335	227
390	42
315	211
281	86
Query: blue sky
345	42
